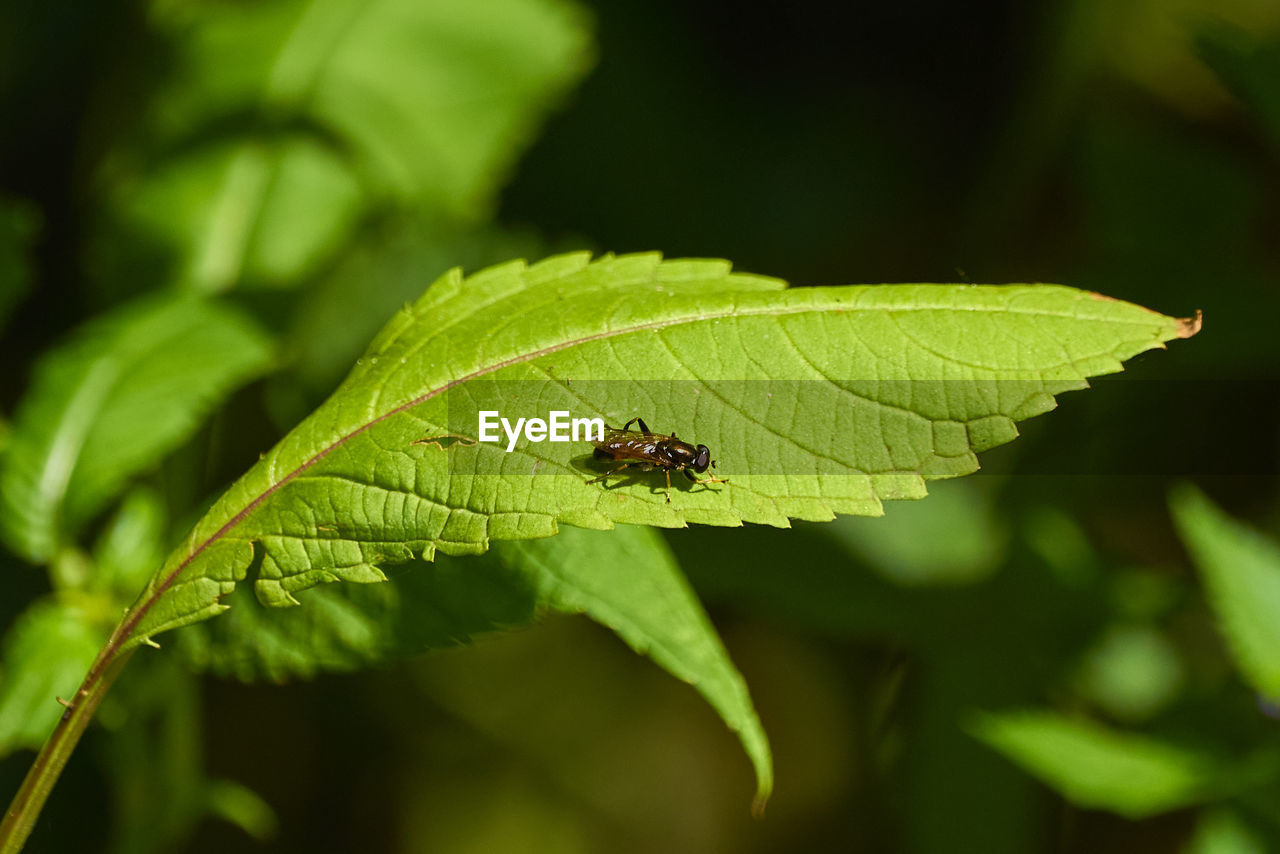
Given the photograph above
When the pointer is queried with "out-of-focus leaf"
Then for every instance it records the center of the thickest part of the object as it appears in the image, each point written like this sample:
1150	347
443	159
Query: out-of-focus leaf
45	655
131	544
1098	768
70	569
264	211
377	277
154	759
345	627
1131	672
429	103
1221	832
17	229
501	812
123	392
953	538
330	108
628	581
433	97
1152	44
1062	546
625	579
156	766
1143	595
566	704
1241	571
1248	67
243	807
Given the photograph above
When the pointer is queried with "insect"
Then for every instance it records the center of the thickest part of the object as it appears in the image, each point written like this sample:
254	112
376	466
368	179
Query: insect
645	450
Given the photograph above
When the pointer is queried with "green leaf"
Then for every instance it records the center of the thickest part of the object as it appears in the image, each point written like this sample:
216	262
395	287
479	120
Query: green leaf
1098	768
154	762
131	545
625	579
336	106
45	655
433	98
345	627
243	807
1220	832
120	394
953	539
629	581
818	401
1241	570
1131	672
265	211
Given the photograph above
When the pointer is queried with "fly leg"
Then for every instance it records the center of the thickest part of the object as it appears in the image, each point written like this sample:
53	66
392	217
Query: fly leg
710	478
606	475
642	466
644	428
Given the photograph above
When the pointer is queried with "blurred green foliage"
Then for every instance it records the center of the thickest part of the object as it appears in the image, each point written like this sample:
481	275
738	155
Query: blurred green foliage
293	172
110	402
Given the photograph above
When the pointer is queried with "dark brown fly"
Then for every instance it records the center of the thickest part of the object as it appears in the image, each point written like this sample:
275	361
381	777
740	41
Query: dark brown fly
645	450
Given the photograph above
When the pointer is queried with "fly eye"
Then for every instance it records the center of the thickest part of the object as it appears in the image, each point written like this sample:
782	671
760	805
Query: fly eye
703	459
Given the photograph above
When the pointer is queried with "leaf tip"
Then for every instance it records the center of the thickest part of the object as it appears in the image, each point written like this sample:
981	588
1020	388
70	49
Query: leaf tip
1188	326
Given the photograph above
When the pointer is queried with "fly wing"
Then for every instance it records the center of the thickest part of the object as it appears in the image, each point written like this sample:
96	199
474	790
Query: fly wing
620	445
614	436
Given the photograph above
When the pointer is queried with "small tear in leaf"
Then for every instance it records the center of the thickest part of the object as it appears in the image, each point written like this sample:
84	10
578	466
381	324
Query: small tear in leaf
451	438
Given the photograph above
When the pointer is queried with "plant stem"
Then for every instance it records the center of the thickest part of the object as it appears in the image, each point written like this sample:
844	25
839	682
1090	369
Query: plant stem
20	818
